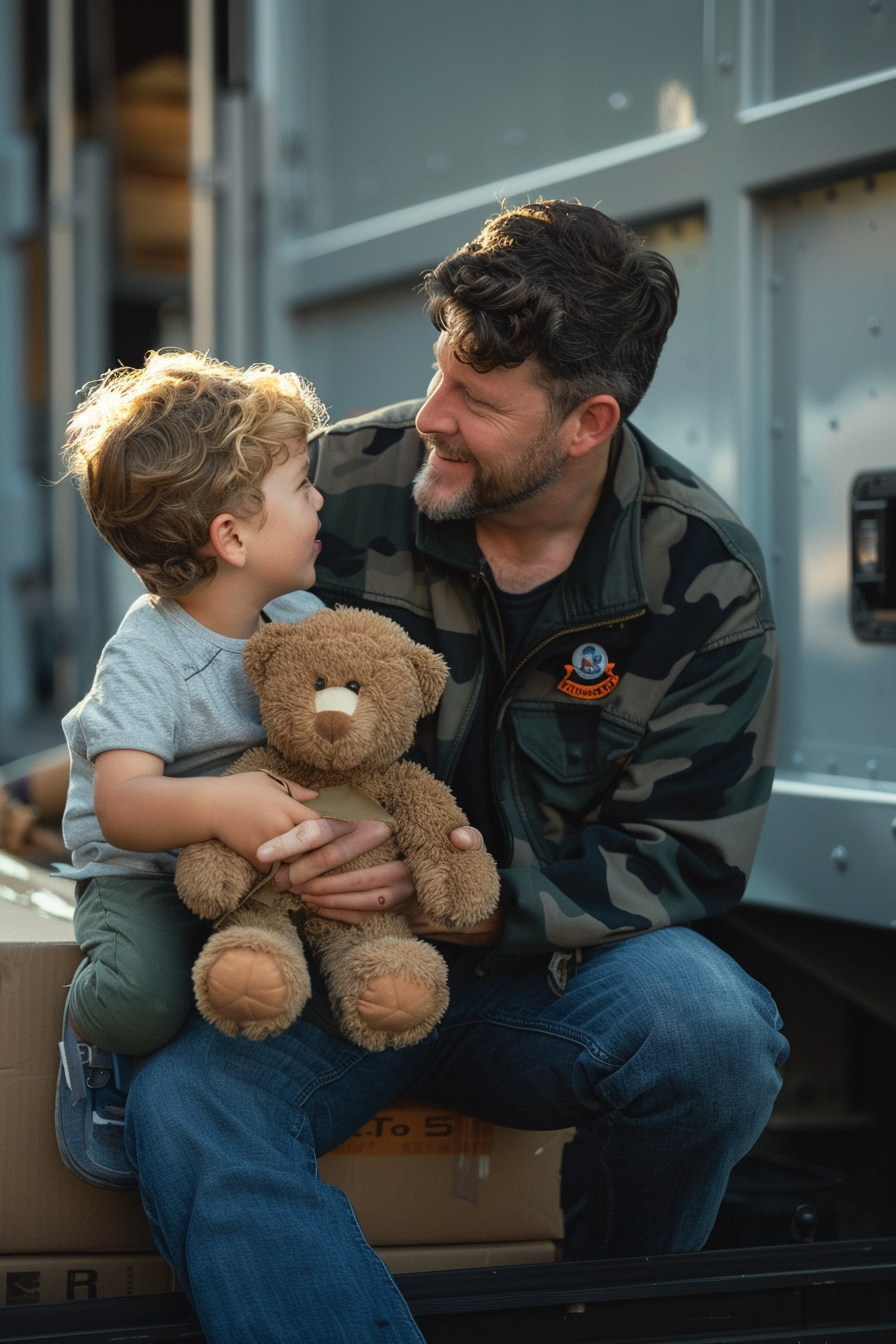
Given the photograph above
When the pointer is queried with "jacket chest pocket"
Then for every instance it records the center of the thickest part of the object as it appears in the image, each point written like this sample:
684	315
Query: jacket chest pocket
571	752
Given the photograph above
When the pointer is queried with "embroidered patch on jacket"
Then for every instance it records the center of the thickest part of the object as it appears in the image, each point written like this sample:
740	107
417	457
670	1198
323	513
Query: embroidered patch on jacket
590	675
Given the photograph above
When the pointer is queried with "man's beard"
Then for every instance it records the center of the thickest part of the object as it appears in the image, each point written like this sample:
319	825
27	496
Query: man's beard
491	490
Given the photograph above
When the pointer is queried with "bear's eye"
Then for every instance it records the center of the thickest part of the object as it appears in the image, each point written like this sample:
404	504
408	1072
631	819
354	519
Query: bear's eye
352	686
319	684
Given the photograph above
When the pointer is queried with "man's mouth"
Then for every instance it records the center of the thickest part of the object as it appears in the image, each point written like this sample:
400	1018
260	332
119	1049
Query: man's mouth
445	452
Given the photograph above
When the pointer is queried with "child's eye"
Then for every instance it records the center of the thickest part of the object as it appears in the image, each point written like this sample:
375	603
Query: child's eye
319	684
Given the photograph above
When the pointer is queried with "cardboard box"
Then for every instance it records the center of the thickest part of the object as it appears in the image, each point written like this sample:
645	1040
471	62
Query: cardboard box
419	1174
45	1208
426	1259
25	1279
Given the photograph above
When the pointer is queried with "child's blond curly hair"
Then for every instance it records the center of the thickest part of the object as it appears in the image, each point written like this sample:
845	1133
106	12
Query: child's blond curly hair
157	452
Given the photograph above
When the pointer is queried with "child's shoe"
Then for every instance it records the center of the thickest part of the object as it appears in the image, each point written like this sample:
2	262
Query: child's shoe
91	1091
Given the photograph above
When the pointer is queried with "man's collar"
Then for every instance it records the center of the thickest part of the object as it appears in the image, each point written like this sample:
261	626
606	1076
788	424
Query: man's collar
605	573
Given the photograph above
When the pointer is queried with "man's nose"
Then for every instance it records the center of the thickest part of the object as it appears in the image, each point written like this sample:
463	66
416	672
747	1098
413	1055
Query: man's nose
435	415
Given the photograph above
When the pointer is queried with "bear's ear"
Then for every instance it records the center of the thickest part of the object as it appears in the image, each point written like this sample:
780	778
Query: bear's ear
432	674
261	648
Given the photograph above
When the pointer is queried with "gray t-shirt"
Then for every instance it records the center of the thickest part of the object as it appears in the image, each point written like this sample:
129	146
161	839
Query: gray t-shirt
166	685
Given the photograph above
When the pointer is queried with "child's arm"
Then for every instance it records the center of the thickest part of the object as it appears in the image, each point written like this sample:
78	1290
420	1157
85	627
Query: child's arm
140	808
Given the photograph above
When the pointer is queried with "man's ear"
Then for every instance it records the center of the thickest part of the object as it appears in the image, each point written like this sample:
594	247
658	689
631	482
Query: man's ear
592	423
226	539
261	648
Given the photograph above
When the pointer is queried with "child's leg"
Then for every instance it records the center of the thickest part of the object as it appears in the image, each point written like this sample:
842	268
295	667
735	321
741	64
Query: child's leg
133	992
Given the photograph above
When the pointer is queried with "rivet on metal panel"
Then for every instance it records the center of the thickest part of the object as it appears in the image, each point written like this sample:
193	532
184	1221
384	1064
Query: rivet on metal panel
893	827
797	759
777	429
871	767
834	422
776	284
874	326
725	62
832	764
839	858
874	6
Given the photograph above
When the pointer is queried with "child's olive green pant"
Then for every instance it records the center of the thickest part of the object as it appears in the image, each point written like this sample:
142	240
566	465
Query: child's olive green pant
133	991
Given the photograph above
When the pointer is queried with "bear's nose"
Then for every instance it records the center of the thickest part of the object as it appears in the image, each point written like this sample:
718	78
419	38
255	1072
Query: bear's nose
331	725
336	697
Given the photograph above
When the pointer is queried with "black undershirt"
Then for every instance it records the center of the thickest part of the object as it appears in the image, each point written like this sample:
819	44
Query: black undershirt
472	778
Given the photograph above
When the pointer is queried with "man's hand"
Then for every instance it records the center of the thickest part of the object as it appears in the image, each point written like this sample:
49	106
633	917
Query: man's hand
484	934
353	897
316	846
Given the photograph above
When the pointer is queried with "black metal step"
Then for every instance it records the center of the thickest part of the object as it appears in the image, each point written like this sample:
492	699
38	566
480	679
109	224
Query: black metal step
834	1292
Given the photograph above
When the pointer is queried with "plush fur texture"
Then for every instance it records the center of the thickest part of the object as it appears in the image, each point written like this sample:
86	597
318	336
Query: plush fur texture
340	697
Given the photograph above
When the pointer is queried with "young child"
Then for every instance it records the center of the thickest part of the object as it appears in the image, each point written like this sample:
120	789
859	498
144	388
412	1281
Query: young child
196	473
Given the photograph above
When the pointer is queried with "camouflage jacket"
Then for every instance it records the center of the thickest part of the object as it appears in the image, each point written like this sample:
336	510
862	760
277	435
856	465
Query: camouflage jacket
632	745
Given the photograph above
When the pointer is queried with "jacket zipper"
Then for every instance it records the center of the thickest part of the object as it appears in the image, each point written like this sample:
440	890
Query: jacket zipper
481	577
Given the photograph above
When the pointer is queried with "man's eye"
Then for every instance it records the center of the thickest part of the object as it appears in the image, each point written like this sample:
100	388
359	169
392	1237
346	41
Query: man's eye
319	684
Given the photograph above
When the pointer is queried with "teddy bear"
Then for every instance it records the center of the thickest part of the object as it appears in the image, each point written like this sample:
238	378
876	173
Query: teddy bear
340	695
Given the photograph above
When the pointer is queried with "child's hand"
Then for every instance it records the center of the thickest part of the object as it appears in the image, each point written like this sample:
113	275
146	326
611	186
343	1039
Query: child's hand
252	808
140	808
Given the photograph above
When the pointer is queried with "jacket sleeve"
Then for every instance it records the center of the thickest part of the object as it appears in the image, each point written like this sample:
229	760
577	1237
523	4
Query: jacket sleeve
675	838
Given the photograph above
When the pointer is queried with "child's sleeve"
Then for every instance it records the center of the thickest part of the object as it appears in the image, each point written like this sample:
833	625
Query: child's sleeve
135	704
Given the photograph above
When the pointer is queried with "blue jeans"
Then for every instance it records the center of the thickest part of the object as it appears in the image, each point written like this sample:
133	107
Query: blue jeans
661	1045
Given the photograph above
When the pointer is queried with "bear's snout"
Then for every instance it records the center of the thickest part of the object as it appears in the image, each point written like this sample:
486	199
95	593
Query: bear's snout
331	725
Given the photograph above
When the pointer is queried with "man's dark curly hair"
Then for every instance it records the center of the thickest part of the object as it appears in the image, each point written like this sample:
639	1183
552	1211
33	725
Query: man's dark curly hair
566	284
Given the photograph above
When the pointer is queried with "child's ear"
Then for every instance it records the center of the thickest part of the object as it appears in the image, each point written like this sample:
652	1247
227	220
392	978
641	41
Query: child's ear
261	648
226	540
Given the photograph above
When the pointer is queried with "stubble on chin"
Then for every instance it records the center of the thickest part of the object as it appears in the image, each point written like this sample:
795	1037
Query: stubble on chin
487	494
439	507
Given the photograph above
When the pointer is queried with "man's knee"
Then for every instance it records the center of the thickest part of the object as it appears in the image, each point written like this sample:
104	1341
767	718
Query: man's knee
723	1060
697	1032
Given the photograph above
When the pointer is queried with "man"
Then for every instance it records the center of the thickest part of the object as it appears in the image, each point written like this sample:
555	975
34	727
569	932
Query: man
609	728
